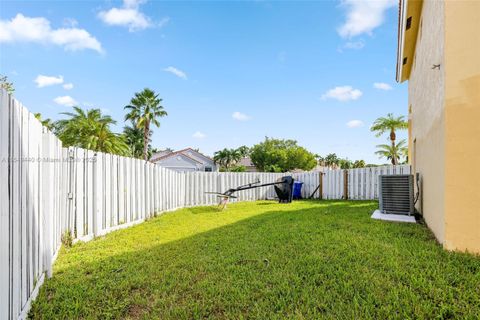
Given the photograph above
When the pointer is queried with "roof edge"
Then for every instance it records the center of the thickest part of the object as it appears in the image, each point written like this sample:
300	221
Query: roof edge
173	154
402	14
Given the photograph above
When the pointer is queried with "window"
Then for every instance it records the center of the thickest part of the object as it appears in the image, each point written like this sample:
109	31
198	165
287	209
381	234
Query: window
409	23
208	169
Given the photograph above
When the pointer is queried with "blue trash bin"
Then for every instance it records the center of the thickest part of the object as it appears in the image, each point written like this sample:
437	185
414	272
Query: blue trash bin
297	190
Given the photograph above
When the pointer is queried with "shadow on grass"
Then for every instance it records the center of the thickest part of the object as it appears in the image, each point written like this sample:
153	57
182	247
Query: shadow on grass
268	203
329	260
203	210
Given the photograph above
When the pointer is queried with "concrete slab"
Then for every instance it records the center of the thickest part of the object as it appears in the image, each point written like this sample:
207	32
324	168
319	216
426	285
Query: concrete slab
393	217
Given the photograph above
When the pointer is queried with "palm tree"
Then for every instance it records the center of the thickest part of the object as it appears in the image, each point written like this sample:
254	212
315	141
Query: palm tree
222	157
236	155
359	164
320	159
47	123
90	129
393	152
226	158
331	160
390	124
345	164
134	138
145	109
244	151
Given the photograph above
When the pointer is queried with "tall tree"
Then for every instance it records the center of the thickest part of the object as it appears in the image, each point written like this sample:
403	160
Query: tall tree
134	138
359	164
90	129
320	159
276	155
345	164
244	151
227	158
390	124
221	157
393	152
144	110
332	160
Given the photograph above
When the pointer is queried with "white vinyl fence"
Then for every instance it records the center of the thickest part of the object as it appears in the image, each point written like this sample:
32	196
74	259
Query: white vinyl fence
360	184
47	190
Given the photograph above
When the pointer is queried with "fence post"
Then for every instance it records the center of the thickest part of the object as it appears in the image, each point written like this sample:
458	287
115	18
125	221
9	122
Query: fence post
345	184
47	204
4	206
71	163
96	197
320	185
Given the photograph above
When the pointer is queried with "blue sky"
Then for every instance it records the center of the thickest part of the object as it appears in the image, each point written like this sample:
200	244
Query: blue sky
229	73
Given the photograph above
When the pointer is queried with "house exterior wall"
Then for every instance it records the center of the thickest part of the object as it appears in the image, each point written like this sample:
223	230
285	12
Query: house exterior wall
206	161
462	128
179	163
182	162
444	109
427	116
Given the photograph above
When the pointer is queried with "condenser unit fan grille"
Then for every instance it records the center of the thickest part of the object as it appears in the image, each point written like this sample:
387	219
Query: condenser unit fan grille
396	194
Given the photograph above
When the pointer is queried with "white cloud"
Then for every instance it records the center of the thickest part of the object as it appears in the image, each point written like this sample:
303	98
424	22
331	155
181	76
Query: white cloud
129	16
162	23
240	116
382	86
133	3
355	124
45	81
199	135
68	86
38	30
179	73
65	101
356	45
70	22
342	93
363	16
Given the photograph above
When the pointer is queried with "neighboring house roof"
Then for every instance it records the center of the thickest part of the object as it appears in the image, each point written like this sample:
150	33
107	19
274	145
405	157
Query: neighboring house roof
409	14
247	162
186	158
197	153
159	154
182	153
176	154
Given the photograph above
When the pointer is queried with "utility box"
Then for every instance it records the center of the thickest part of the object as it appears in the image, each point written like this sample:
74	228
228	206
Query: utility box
396	194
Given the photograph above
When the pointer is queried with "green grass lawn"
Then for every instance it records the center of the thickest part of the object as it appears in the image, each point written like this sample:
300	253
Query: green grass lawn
263	260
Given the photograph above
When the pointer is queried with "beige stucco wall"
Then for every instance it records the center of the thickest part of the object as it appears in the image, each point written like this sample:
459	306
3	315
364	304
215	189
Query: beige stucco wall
462	123
427	116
